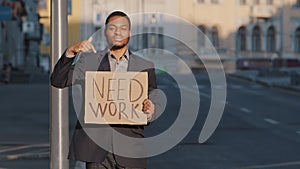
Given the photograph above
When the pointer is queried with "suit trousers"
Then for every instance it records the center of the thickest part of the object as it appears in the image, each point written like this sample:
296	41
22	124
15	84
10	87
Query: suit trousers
108	163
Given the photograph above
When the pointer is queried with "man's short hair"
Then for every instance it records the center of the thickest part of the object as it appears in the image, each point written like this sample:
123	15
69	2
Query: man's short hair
117	13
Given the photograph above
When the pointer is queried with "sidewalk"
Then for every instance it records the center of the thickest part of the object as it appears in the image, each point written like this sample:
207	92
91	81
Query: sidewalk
24	123
278	78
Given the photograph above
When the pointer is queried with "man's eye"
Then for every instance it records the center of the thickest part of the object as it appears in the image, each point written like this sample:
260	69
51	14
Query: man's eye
124	28
112	28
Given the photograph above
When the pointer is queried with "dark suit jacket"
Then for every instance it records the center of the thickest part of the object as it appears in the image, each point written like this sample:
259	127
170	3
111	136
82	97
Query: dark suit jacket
70	71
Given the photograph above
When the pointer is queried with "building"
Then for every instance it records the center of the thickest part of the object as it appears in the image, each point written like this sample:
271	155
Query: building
254	33
74	21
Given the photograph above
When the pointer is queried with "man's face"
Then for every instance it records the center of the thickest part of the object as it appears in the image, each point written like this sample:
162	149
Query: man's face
117	32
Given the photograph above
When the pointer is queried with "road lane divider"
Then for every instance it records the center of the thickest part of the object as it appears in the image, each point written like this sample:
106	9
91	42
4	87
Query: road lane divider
245	110
271	121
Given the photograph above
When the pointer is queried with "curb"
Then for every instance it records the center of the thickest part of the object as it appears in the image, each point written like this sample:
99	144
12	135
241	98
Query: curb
15	152
44	155
264	83
242	77
290	88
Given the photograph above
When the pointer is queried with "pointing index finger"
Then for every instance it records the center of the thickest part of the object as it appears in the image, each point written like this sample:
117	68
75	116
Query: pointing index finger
90	41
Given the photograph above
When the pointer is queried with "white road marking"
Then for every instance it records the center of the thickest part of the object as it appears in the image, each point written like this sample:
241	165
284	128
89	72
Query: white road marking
293	163
245	110
298	132
271	121
236	86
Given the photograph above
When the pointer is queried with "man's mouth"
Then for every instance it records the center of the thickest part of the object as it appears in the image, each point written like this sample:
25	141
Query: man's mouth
118	39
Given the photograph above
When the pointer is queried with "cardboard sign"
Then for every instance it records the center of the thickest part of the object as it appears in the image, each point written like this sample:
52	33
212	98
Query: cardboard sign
115	97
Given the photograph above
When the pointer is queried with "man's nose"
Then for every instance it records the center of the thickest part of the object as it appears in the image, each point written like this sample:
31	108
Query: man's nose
117	31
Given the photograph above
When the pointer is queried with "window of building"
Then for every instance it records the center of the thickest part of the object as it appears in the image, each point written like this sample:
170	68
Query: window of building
153	38
271	39
297	3
145	37
256	39
214	1
270	2
297	40
201	35
160	37
69	7
256	2
215	37
243	2
242	39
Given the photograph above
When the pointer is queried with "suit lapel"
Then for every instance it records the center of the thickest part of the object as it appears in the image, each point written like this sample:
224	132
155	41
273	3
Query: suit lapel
104	63
132	65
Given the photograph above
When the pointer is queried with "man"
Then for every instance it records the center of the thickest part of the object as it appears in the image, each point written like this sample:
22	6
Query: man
116	57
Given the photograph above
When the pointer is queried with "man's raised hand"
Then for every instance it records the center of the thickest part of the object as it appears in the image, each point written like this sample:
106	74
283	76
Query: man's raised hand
83	46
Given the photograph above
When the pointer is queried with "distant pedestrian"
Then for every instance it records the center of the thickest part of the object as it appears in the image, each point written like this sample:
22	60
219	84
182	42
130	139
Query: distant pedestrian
7	69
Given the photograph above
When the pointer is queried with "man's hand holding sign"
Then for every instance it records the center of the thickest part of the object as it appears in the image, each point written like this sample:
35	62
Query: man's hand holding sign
117	98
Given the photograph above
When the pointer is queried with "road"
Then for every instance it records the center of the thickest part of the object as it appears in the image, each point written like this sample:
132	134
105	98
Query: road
260	127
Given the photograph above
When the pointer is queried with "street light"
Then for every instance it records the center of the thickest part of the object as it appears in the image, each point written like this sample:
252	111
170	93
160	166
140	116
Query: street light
59	110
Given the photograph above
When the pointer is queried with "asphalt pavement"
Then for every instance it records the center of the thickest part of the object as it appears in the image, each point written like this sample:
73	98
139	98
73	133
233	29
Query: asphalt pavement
260	127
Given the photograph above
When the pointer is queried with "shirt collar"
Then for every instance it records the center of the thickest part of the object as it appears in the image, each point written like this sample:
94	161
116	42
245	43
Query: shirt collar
126	55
